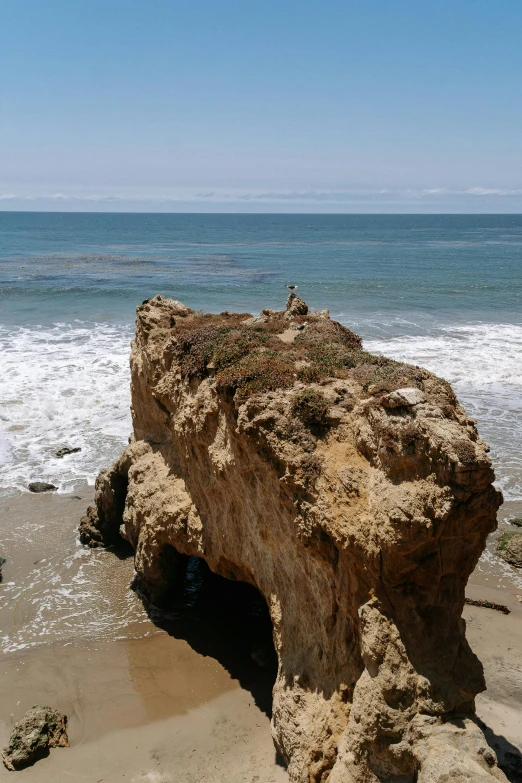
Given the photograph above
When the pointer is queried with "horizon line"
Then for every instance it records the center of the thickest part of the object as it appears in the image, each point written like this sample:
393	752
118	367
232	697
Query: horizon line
229	212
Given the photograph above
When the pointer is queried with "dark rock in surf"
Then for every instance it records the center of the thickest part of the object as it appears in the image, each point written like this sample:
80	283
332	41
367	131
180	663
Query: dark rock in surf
41	486
2	561
40	729
66	450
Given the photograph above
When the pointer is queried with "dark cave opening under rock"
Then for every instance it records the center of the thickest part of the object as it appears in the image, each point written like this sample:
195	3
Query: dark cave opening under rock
222	618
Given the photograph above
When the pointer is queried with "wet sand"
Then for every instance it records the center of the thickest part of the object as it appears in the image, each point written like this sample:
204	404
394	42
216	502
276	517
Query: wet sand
144	703
141	710
151	706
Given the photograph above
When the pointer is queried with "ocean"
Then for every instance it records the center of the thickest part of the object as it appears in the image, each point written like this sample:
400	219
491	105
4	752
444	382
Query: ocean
441	291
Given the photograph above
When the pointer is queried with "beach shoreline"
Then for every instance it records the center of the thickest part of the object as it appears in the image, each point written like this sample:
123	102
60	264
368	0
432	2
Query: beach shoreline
135	701
148	706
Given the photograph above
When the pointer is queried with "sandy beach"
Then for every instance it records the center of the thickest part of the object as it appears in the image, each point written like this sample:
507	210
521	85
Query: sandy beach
145	710
148	705
143	704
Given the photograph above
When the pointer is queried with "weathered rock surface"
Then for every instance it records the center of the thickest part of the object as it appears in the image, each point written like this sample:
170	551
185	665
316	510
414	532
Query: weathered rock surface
100	525
41	486
295	306
353	492
41	728
511	550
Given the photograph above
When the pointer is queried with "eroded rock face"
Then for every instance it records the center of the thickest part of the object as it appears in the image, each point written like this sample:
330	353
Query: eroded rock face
40	729
100	525
358	520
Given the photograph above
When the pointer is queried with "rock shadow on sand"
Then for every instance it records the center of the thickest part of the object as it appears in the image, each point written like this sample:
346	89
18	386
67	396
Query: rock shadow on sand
509	756
225	619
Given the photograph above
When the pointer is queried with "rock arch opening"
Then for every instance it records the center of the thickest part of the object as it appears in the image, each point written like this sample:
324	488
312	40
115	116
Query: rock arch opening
224	618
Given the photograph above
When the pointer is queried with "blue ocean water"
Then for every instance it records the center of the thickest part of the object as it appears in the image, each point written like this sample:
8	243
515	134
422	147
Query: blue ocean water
98	266
437	290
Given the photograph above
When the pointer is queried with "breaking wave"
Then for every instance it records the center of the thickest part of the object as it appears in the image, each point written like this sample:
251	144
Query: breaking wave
64	385
483	362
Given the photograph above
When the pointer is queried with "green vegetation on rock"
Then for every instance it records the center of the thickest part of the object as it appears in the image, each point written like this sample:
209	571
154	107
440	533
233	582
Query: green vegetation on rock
504	539
311	407
509	547
248	357
256	373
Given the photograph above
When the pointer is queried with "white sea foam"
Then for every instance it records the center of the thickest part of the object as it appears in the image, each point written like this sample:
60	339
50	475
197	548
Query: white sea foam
483	362
496	571
65	599
69	385
65	385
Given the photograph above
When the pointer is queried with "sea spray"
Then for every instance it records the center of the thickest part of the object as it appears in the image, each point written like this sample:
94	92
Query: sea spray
63	385
482	362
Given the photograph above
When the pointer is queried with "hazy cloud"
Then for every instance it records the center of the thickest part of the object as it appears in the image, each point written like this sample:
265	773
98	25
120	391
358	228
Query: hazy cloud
347	196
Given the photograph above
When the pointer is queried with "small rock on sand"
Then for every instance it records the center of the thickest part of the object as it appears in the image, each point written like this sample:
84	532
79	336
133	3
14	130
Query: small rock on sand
41	728
41	486
511	549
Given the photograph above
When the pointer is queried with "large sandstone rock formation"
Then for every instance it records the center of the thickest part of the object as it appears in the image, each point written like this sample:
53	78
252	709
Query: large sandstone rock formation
352	491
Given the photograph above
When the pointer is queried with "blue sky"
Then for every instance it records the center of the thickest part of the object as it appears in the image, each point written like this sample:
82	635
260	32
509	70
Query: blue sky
272	105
